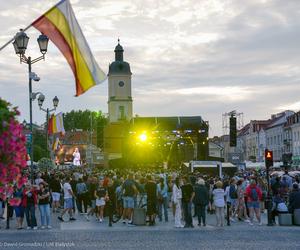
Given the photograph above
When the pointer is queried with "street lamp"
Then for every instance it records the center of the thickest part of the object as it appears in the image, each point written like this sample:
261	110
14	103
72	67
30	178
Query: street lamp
41	100
20	45
43	43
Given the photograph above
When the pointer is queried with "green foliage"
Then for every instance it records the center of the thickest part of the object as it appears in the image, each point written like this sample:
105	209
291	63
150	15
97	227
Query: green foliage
6	113
82	120
39	145
12	152
45	164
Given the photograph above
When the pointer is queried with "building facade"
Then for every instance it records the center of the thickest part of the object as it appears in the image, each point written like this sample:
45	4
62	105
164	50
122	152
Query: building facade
292	139
257	135
275	134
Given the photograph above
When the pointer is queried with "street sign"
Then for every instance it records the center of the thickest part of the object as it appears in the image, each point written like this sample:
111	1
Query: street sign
28	138
235	158
28	143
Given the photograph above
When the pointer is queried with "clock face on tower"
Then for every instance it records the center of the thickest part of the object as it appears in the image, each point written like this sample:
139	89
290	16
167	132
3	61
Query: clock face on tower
121	83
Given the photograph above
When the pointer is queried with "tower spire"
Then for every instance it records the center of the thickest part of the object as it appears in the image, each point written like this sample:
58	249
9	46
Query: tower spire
119	52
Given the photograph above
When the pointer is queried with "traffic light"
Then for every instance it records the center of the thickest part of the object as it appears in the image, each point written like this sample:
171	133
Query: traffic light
232	131
268	158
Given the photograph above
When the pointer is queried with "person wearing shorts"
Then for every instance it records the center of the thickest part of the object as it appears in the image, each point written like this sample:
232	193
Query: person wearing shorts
128	202
68	200
254	196
101	195
19	211
55	197
55	188
129	190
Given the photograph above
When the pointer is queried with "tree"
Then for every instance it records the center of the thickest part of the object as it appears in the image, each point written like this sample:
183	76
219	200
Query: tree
45	164
39	145
83	120
12	152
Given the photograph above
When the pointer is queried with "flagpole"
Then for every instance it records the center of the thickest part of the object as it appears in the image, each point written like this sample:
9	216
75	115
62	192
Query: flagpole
11	40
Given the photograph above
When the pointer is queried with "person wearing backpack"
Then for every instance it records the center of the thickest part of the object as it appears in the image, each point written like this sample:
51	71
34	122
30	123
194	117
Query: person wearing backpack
231	198
254	196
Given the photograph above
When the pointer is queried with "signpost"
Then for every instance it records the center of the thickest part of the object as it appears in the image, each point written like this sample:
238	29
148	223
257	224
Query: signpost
269	163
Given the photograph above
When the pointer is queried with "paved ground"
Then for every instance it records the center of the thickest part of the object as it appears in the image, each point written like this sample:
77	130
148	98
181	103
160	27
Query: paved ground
93	235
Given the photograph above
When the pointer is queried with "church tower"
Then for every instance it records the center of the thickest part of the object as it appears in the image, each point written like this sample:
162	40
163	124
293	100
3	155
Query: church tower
119	106
119	88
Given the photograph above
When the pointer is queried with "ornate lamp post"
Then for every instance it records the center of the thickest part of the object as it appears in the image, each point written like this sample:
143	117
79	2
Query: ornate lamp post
41	100
20	45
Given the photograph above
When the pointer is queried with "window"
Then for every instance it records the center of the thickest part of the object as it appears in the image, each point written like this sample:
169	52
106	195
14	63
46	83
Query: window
121	113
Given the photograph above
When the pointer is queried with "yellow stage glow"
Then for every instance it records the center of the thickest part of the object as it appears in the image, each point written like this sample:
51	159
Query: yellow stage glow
143	137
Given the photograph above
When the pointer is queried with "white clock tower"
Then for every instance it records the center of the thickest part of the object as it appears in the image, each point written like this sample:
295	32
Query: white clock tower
119	88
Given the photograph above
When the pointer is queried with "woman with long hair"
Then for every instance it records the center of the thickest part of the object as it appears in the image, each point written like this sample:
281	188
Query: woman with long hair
101	197
44	205
177	197
241	206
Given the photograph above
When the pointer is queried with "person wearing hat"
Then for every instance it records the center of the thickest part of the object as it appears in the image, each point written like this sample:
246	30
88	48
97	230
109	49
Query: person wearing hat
294	198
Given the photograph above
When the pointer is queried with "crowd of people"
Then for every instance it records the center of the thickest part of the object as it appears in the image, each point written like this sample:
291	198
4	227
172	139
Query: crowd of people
115	194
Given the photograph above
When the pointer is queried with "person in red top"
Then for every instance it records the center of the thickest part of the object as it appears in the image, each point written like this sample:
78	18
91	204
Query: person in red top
254	196
29	202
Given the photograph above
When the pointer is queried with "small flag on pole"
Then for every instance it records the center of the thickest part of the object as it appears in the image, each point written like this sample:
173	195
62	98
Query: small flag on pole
56	144
56	124
60	25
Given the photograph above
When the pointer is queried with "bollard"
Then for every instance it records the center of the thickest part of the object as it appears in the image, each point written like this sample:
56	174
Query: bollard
7	215
228	214
269	210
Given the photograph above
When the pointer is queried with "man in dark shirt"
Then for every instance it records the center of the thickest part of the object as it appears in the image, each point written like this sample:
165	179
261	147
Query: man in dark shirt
151	191
92	187
129	190
55	188
294	198
187	199
73	184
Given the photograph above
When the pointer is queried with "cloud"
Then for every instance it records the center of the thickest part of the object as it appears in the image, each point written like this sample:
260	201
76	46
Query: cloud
199	57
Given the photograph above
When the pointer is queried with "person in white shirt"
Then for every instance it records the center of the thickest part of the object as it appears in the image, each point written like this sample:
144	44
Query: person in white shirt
38	180
68	200
219	202
176	198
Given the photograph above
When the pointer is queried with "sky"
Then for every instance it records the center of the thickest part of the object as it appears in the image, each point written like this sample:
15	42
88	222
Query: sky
196	57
